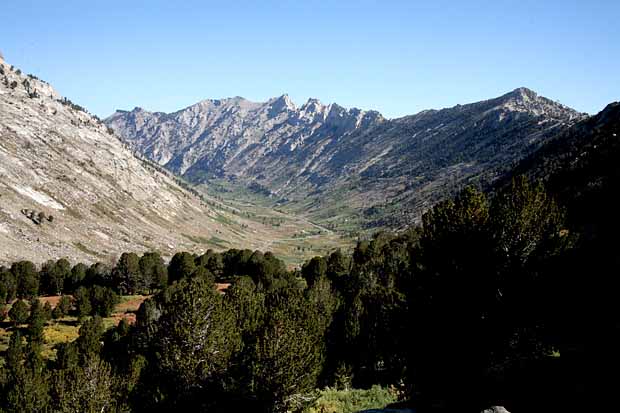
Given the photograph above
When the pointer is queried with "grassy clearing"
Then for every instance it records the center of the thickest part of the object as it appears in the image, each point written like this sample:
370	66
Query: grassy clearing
351	401
67	329
272	225
59	331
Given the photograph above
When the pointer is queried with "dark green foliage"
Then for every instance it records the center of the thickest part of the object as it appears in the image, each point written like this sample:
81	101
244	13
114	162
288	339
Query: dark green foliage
373	309
87	388
19	312
77	277
96	300
476	293
205	274
83	381
181	265
249	304
197	335
4	311
89	341
15	352
338	265
83	305
47	311
154	271
102	300
314	269
36	321
98	274
212	261
25	387
127	276
8	285
289	352
27	278
63	307
53	276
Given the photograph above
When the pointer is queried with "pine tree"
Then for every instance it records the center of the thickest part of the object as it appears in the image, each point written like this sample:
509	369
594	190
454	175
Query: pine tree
154	271
197	335
127	275
36	322
75	280
103	300
289	352
181	265
28	385
82	303
27	278
19	312
8	285
63	307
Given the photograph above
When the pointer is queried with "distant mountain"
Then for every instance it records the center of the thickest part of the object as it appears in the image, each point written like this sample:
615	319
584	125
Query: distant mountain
69	187
319	158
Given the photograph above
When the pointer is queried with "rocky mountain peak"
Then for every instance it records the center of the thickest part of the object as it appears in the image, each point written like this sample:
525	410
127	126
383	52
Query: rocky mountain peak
523	93
281	104
525	100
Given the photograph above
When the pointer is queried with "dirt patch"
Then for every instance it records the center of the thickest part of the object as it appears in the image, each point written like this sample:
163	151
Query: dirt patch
52	299
130	304
129	317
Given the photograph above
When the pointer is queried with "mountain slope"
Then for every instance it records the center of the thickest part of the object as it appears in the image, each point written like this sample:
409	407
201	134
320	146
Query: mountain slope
319	158
581	167
57	160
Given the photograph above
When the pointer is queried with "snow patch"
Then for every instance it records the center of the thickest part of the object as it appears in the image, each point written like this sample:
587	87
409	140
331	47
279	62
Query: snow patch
39	197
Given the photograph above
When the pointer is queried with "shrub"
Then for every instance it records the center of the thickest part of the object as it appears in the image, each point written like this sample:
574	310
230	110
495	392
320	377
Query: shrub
103	300
63	307
19	312
350	401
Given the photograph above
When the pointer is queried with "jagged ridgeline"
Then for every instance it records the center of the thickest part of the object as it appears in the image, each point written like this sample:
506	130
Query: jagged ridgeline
345	165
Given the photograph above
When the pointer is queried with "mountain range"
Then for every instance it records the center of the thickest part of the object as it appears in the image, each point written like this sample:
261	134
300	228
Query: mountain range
339	164
233	173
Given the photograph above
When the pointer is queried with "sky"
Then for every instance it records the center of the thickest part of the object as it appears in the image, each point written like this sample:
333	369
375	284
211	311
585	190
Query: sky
397	57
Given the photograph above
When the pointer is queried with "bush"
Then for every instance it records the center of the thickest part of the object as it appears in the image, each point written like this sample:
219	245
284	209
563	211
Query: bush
62	308
103	300
19	312
82	302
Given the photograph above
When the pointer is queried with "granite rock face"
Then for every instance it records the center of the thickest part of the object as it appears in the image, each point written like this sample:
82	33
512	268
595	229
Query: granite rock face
328	152
71	188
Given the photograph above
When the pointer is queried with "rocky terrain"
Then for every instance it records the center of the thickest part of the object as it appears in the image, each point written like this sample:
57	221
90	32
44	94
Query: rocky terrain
70	188
335	163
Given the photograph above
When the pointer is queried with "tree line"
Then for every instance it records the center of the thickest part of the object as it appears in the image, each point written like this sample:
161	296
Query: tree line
472	308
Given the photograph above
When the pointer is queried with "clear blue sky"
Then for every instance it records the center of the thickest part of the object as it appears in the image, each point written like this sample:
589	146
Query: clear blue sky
398	57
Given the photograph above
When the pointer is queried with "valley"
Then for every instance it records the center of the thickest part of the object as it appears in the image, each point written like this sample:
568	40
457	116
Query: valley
349	169
59	162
